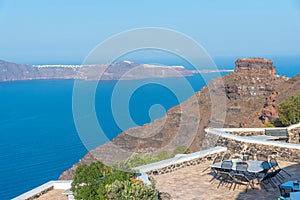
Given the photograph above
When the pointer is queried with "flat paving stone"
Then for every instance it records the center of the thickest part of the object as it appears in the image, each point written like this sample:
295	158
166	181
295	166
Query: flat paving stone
53	195
191	183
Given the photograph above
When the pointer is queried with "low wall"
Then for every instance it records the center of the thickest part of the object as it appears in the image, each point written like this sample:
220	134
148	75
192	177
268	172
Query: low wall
243	145
293	132
39	191
294	135
244	131
181	161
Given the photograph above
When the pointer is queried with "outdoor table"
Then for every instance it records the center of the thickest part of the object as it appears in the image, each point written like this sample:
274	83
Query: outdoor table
290	185
295	195
254	166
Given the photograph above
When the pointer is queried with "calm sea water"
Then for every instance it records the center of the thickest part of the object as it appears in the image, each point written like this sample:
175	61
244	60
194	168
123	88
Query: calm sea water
38	138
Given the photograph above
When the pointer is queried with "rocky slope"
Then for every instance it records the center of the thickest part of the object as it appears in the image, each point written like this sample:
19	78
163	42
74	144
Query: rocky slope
245	98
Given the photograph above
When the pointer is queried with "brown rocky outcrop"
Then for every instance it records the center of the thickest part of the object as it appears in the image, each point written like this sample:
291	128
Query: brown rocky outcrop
253	77
255	65
252	90
269	112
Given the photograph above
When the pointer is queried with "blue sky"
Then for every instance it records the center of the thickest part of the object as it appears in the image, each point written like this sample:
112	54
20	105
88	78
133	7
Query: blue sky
57	31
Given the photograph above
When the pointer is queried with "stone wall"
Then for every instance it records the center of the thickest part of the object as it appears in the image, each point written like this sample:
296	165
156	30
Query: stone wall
252	149
174	167
239	145
40	194
243	131
294	135
293	132
247	133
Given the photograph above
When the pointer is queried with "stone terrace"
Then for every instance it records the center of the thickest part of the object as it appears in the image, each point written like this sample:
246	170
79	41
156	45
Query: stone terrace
53	195
191	183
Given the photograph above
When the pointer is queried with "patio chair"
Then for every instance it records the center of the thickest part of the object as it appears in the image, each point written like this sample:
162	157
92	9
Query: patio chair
216	174
277	167
261	157
226	165
241	167
265	177
266	167
216	160
226	156
268	177
214	171
242	179
226	178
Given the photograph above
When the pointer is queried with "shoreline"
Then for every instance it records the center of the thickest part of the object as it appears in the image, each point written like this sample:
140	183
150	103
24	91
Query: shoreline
122	79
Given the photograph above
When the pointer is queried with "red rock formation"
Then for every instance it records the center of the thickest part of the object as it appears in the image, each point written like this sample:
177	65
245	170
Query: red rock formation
269	112
256	65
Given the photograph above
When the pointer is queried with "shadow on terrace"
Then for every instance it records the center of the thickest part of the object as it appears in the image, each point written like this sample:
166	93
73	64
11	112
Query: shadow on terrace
192	183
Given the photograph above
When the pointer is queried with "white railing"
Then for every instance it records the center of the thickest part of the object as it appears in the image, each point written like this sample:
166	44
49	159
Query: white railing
240	129
293	126
179	159
62	185
256	129
251	139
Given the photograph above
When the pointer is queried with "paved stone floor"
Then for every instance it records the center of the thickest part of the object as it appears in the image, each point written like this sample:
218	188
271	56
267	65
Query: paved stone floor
53	195
192	184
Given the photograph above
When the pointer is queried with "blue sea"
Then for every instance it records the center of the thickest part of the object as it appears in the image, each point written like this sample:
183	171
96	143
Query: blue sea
38	138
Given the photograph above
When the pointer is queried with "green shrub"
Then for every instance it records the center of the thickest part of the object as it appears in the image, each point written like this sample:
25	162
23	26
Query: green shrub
136	160
97	181
162	155
86	180
89	181
269	125
289	111
111	178
129	190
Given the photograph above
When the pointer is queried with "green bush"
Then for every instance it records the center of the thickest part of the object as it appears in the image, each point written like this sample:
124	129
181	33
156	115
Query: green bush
111	178
89	181
136	160
129	190
162	155
97	181
269	125
289	111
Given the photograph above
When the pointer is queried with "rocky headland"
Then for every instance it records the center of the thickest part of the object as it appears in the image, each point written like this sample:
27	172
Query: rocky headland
250	94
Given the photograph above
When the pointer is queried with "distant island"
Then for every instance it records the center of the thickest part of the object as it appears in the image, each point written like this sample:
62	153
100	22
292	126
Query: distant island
125	70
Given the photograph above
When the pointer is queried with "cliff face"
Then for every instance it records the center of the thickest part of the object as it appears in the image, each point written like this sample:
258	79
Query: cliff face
252	93
252	87
255	65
